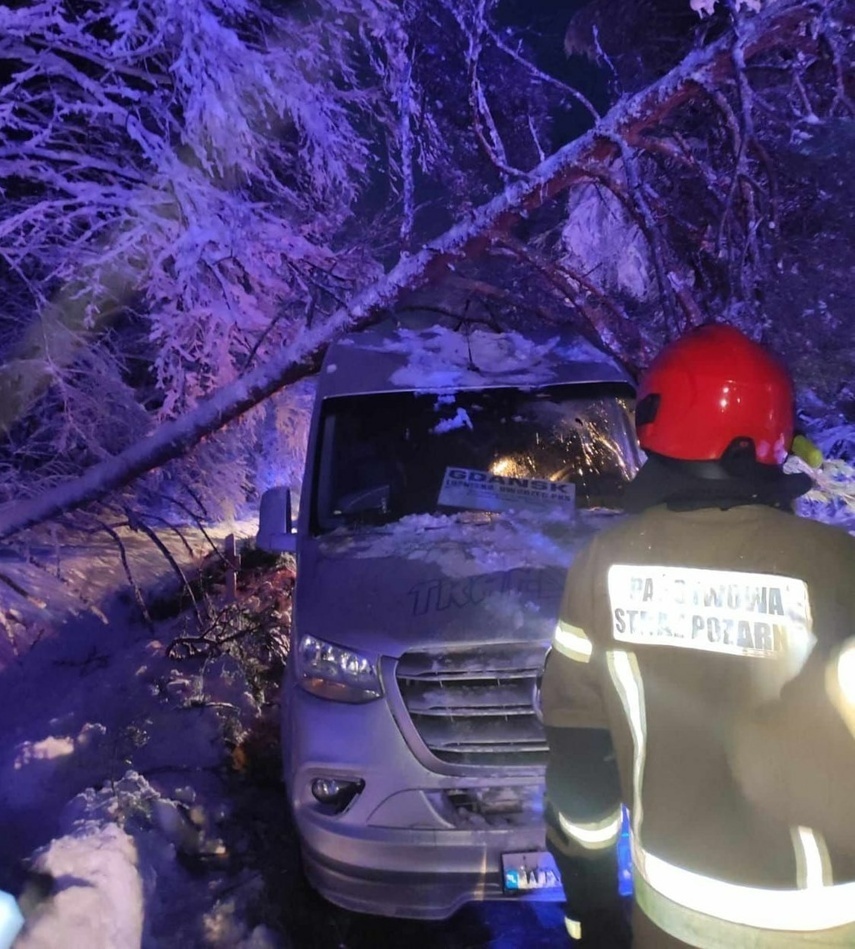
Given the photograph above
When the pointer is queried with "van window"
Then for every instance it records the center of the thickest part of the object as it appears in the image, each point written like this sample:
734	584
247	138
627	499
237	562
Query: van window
383	456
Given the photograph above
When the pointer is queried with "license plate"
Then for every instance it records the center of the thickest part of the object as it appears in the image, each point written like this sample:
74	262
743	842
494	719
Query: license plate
533	871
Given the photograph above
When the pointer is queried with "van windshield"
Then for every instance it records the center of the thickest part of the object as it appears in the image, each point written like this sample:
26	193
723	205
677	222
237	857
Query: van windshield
387	455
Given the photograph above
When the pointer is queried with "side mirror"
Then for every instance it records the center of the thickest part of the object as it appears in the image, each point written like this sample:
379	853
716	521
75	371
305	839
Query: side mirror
275	522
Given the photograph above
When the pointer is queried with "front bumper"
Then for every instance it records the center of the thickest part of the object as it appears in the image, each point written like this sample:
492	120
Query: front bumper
449	874
423	837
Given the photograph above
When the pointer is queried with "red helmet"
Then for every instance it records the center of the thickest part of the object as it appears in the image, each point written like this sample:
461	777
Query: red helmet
710	389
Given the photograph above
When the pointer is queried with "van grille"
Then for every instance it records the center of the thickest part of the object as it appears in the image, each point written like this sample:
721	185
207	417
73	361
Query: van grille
474	705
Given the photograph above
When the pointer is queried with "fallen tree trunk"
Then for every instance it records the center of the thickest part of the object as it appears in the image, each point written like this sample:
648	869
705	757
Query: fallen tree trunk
780	25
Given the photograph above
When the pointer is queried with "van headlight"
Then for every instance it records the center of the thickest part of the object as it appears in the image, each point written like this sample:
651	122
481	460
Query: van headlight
335	673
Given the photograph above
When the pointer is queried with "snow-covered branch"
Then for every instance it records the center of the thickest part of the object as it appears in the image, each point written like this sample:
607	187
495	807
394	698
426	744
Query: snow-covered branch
299	355
193	161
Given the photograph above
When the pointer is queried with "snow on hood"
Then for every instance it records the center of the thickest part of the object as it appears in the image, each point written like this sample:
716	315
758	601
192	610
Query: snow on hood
431	580
474	542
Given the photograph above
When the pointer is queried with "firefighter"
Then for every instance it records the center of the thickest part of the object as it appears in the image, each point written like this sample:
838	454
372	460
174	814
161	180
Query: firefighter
704	643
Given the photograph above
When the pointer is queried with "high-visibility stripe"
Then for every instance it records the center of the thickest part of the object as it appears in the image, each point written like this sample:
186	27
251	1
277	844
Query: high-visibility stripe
11	918
840	685
624	672
846	672
572	642
593	835
709	932
806	910
813	864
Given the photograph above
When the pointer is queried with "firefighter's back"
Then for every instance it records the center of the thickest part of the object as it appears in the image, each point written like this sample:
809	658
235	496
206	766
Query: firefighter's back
704	617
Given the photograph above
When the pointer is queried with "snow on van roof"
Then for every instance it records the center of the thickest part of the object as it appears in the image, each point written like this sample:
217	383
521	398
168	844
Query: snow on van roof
439	359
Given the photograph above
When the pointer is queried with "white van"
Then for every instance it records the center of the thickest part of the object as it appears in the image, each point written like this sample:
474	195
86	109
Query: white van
450	477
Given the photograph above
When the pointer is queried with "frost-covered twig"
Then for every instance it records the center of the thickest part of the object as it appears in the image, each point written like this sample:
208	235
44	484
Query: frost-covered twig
829	32
472	21
742	178
833	487
545	77
637	205
138	524
523	302
195	518
407	161
256	626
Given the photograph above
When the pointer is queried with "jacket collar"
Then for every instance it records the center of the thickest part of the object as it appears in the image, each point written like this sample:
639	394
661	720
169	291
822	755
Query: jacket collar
690	485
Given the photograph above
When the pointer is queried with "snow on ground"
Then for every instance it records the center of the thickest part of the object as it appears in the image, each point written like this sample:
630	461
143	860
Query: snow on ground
114	760
133	779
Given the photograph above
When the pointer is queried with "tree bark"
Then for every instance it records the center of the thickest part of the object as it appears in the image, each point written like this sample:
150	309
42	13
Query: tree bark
778	26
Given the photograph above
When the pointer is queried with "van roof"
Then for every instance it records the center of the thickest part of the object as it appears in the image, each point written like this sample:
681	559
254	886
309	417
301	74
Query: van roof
437	359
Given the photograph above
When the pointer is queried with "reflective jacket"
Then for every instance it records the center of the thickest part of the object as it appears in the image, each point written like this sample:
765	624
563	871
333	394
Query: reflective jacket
696	637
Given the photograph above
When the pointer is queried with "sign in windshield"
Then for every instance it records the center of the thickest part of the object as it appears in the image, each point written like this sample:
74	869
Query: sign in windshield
485	491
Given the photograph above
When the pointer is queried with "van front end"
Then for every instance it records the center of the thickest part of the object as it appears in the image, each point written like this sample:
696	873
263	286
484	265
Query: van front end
451	477
418	802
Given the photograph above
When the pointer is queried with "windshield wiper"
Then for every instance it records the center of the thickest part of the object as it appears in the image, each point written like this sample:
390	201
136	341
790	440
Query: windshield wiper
366	501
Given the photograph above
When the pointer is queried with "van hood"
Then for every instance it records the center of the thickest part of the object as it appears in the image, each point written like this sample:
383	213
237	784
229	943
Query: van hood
429	581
